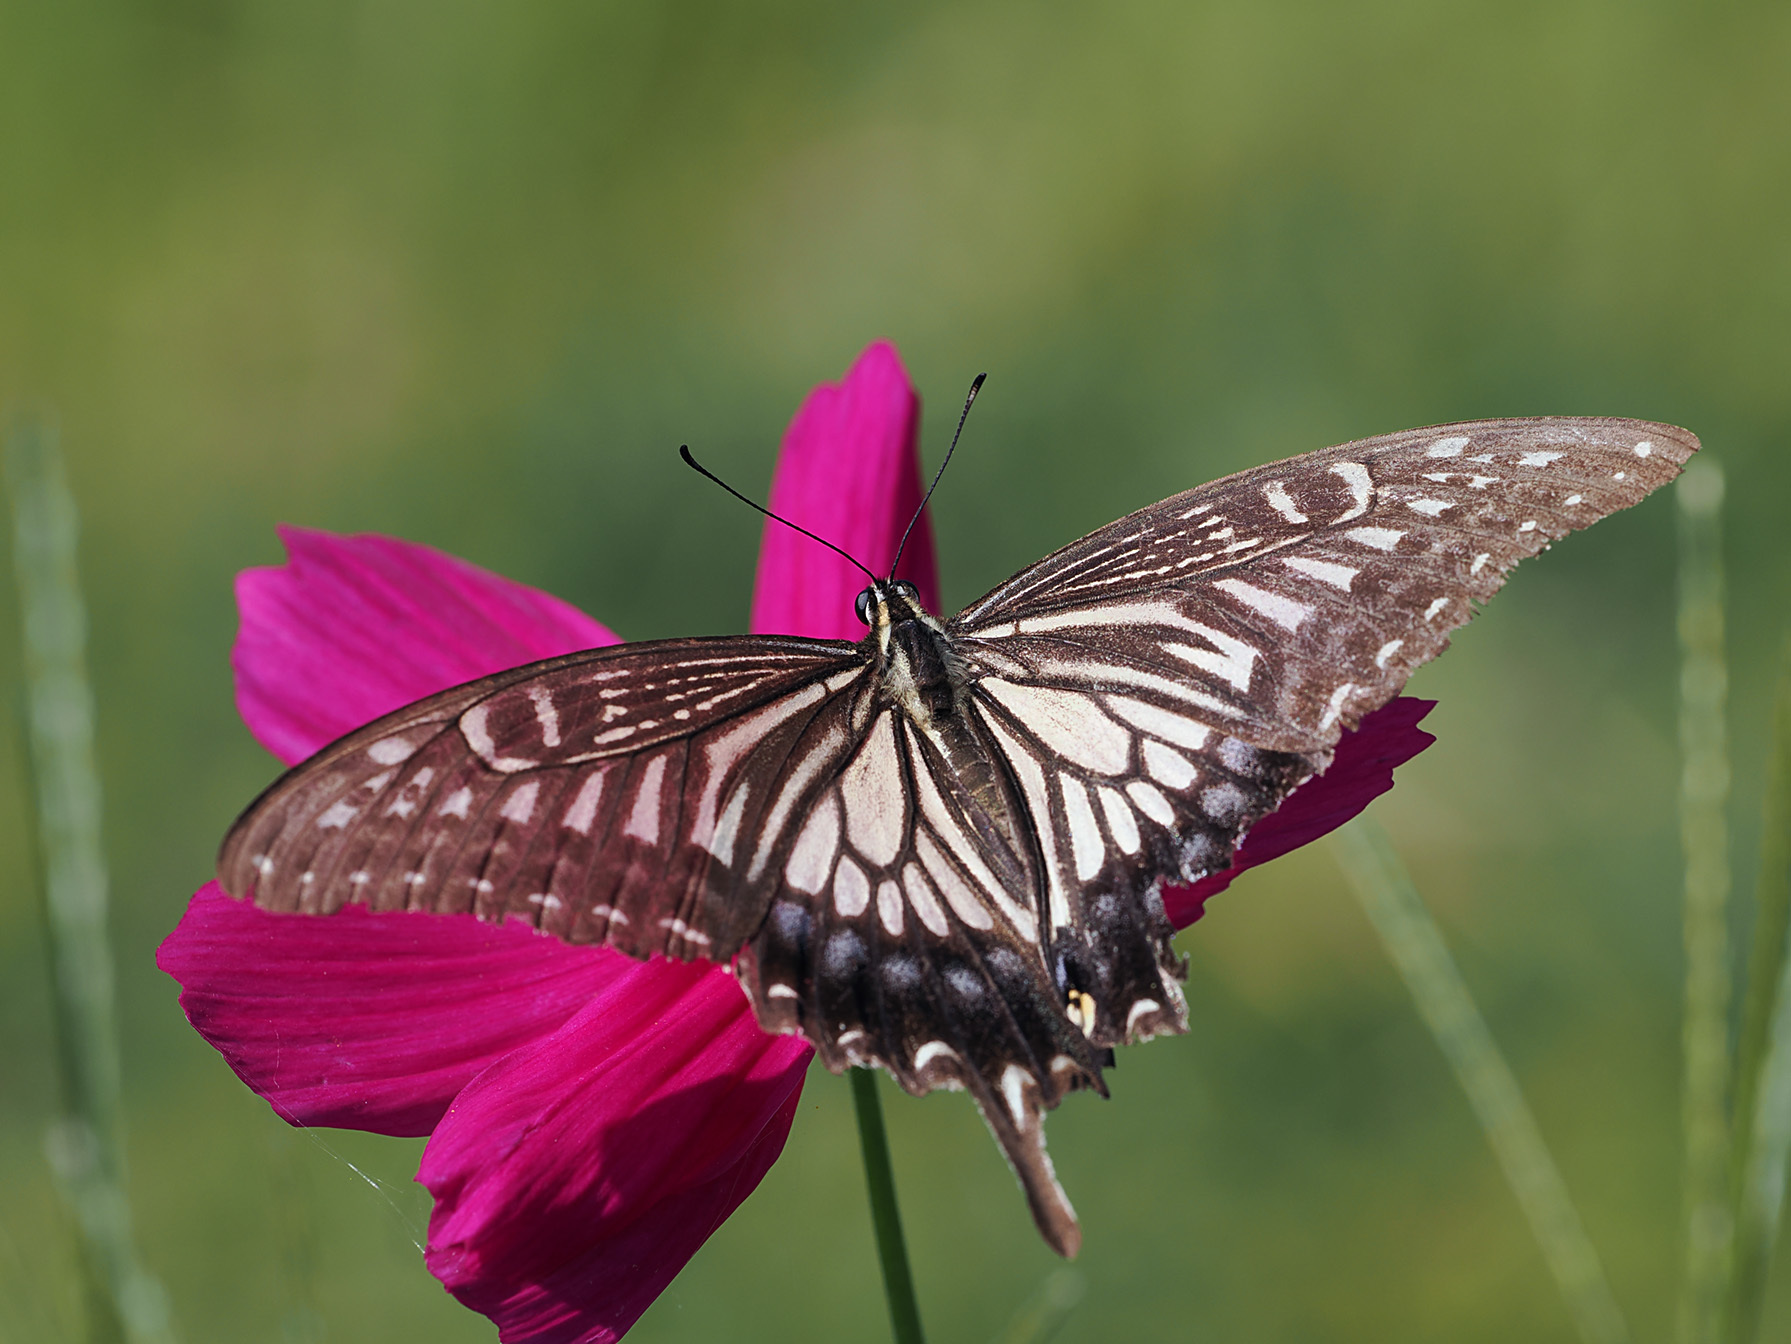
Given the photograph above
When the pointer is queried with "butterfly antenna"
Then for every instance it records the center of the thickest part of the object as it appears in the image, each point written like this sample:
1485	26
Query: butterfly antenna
969	401
689	461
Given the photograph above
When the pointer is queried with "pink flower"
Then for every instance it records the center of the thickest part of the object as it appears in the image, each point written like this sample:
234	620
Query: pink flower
591	1119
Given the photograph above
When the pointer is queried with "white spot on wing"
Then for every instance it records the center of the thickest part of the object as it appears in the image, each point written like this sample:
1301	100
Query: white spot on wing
643	817
1085	835
1574	499
1284	611
1068	722
1539	459
1361	485
478	736
1387	650
1138	1010
583	812
1233	662
889	907
1013	1087
775	991
1335	707
390	751
1449	447
931	1051
1168	767
1528	525
1338	576
1150	802
925	903
520	806
1430	612
851	889
811	859
336	816
1644	448
1381	538
545	715
1479	562
871	788
1176	728
1282	502
721	841
457	804
958	894
1430	508
1121	824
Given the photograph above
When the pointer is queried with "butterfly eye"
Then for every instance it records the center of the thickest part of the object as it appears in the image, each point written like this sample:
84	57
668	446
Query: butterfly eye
864	606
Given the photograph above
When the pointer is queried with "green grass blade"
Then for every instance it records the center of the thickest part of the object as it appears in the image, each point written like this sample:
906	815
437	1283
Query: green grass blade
1416	946
1763	1067
886	1218
1704	835
85	1145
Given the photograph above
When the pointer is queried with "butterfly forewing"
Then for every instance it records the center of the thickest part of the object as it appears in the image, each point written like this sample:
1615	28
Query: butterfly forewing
618	796
1283	603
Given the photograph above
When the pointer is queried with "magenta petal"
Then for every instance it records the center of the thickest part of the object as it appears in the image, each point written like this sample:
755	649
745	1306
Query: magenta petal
850	472
1360	772
575	1178
370	1021
354	627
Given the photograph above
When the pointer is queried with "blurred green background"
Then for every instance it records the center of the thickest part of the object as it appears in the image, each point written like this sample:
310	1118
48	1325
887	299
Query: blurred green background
468	273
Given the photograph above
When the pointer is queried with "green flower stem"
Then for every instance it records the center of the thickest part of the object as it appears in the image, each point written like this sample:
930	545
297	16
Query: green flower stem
1416	946
85	1145
886	1218
1762	1127
1704	836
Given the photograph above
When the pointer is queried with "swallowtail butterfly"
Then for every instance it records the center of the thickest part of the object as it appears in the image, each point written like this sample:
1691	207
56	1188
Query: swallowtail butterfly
940	849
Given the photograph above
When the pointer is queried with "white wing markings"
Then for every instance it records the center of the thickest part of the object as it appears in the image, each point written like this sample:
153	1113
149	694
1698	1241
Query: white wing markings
1184	732
1085	834
390	751
1234	661
1284	611
1032	784
1282	502
1133	676
889	907
520	806
1361	486
1449	447
1539	459
1335	708
876	803
583	812
1167	766
1069	722
1338	576
545	715
963	848
1381	538
478	736
1120	822
925	903
794	783
851	889
721	841
643	817
1152	803
811	858
1430	508
958	895
725	751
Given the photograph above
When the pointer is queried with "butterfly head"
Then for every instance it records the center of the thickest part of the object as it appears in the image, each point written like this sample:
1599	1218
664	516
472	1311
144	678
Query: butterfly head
889	602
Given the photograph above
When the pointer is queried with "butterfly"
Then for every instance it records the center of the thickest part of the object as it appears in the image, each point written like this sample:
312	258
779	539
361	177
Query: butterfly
941	849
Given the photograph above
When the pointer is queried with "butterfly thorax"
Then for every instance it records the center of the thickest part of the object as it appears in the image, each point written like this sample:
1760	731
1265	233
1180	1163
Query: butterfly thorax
911	652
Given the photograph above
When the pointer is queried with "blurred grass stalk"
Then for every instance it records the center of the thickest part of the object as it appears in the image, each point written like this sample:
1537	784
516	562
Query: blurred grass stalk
1762	1118
85	1144
1704	836
1416	946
